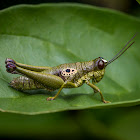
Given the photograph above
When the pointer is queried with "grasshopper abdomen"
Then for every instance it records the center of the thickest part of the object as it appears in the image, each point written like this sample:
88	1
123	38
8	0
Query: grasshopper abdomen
25	83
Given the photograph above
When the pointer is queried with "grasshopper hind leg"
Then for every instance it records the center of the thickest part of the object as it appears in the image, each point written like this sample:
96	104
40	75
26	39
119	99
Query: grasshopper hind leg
28	67
34	80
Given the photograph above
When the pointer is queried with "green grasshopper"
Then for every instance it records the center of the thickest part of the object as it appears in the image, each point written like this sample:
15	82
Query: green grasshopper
70	75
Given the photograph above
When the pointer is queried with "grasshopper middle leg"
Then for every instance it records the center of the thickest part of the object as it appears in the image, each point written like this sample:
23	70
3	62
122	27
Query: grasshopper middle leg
66	84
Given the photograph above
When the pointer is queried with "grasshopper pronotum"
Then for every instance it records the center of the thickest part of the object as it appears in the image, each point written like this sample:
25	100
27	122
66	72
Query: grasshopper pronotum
70	75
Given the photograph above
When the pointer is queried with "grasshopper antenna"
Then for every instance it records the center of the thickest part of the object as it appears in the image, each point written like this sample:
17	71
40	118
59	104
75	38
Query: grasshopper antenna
122	50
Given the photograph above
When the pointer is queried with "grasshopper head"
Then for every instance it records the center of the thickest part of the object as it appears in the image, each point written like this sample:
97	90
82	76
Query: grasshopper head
99	69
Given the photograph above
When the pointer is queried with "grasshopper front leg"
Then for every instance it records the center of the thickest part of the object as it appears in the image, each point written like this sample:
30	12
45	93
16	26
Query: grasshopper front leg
97	90
47	80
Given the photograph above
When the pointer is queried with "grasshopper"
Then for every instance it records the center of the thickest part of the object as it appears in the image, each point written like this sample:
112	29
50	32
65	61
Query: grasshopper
69	75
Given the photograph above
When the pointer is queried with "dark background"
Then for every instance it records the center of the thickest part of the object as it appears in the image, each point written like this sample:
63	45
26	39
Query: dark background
128	6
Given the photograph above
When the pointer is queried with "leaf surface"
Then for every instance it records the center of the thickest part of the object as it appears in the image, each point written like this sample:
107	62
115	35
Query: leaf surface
53	34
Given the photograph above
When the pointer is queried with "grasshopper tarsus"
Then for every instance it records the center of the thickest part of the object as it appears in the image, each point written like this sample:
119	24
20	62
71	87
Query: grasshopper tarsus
106	101
50	98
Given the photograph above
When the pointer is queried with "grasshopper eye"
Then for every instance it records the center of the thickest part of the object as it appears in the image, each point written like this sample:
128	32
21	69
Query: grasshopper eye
101	64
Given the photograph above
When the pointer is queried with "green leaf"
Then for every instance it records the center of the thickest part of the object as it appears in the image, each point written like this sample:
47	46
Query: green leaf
53	34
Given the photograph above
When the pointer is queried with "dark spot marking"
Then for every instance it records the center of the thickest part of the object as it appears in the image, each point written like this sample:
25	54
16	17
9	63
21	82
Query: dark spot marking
67	70
69	74
72	70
